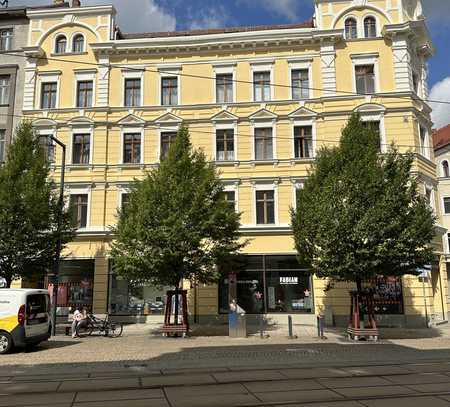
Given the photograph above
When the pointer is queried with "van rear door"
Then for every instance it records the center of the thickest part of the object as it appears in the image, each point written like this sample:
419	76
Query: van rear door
37	315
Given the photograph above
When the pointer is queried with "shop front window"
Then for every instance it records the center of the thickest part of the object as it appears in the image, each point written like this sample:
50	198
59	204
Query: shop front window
75	285
128	298
268	284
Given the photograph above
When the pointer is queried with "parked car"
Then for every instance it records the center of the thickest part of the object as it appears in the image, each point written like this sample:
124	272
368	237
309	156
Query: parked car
24	318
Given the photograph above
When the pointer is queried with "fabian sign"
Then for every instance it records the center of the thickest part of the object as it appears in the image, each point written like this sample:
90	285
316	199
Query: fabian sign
288	280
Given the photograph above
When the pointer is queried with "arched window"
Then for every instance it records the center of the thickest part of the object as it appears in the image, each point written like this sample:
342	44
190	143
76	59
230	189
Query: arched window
60	44
445	169
78	43
370	27
351	28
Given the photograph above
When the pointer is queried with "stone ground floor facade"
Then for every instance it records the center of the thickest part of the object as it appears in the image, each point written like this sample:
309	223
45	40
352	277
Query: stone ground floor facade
270	282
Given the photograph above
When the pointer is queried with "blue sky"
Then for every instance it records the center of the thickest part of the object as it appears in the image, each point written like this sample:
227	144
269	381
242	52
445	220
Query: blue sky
165	15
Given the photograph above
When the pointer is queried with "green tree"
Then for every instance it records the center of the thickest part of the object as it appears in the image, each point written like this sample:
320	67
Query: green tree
360	214
176	224
29	210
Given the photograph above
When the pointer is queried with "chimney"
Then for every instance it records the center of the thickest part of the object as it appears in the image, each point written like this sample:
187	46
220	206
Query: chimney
76	3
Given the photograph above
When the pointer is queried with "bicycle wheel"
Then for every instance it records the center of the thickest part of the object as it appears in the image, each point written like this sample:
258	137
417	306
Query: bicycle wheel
85	329
114	329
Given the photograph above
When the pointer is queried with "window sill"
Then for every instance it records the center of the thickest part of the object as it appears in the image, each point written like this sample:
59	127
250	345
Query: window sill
68	54
129	166
4	104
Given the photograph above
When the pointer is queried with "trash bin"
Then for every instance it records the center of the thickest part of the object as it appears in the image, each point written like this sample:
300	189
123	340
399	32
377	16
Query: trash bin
237	321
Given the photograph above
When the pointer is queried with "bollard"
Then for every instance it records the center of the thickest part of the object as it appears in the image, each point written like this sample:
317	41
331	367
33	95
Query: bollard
291	334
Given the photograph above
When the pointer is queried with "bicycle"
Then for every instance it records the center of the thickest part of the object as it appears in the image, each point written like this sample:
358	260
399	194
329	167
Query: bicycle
104	327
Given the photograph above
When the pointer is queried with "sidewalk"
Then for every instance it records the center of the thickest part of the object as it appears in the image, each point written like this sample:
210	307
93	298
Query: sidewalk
375	385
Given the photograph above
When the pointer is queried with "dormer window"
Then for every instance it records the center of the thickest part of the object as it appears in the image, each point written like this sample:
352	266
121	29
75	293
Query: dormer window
78	44
351	28
370	27
61	44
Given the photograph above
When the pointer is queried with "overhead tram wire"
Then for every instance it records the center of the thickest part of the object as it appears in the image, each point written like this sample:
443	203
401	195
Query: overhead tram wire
193	130
147	69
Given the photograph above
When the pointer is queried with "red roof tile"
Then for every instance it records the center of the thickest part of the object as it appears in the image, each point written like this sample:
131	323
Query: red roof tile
441	137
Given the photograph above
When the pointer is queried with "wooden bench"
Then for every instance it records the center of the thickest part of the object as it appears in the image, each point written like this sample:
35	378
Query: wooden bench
174	329
369	333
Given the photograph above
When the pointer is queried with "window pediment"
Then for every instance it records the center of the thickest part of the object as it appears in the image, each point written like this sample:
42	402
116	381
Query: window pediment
263	114
224	116
131	120
169	118
302	113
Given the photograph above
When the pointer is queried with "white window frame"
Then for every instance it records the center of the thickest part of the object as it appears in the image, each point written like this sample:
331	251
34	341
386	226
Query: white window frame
358	27
299	123
261	124
48	77
120	192
443	206
441	167
378	117
429	187
81	76
133	74
80	191
68	43
427	147
48	132
10	42
366	59
296	185
225	69
169	72
233	188
378	27
7	89
126	130
265	187
80	129
256	67
75	34
295	65
162	128
226	125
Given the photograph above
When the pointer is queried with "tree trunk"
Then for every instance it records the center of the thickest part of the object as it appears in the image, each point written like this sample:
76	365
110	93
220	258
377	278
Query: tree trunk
177	299
8	281
359	291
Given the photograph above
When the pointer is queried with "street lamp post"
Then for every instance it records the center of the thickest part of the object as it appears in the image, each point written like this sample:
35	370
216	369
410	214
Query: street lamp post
58	229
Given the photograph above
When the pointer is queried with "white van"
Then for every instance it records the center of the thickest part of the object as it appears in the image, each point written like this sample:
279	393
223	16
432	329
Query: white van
24	318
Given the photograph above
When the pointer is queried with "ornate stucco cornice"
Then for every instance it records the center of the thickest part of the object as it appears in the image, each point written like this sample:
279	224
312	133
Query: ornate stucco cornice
223	41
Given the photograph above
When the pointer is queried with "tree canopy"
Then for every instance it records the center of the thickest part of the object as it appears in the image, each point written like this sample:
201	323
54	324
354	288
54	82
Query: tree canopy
360	213
29	210
176	224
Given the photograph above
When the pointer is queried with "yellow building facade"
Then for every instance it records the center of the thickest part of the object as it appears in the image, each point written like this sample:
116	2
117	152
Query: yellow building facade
260	101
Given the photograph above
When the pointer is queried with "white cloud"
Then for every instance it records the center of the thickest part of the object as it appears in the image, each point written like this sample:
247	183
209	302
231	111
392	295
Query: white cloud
207	18
441	111
288	9
133	15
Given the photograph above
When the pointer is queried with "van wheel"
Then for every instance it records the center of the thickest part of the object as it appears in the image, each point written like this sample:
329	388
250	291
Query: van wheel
6	343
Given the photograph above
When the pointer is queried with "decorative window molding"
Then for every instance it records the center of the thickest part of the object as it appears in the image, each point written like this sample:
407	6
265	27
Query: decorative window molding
226	125
78	129
80	190
169	71
75	43
264	186
377	26
132	73
128	130
366	59
259	67
233	187
225	69
374	116
298	122
264	119
302	64
48	77
82	75
60	44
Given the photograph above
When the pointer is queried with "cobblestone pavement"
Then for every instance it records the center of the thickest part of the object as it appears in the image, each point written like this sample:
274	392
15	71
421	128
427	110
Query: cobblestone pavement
354	385
137	346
